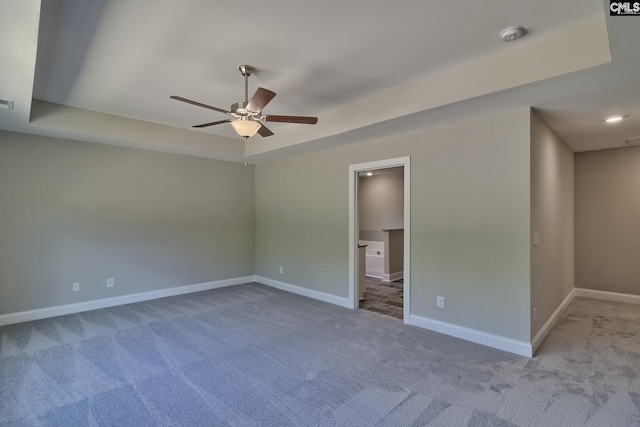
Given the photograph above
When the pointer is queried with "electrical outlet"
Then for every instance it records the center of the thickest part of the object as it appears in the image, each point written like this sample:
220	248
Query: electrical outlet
535	315
110	283
281	269
76	287
536	238
440	302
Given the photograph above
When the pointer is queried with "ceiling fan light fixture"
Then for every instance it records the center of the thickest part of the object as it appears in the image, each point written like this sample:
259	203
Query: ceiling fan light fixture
246	128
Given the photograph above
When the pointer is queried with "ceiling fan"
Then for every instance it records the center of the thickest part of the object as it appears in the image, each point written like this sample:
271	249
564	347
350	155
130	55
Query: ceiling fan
247	114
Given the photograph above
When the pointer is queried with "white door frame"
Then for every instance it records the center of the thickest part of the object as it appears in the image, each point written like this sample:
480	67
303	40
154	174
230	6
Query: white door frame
354	229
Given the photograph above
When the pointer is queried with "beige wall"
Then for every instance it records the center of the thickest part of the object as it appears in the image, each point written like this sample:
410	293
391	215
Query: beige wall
80	212
470	220
607	213
381	202
394	251
74	211
552	208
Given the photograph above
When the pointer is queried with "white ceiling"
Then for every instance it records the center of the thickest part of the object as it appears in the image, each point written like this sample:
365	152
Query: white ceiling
103	70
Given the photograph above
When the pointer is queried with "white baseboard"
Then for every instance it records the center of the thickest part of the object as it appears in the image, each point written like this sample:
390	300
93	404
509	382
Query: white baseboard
332	299
521	348
43	313
393	276
608	296
551	322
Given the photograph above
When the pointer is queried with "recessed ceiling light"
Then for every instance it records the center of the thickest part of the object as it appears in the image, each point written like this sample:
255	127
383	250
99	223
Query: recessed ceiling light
614	119
369	173
512	33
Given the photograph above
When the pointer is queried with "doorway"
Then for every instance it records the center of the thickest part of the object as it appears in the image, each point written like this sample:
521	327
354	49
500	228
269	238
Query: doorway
391	237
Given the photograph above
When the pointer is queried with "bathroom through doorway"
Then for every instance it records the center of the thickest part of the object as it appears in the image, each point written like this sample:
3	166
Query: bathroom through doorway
379	237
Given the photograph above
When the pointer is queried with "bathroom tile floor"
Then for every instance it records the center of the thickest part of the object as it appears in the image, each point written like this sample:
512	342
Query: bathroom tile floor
383	297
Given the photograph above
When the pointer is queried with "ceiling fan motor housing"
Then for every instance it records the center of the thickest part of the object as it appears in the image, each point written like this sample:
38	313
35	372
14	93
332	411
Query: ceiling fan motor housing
239	109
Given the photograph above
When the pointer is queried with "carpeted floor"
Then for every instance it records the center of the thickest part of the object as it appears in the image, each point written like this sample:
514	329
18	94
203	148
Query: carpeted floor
252	355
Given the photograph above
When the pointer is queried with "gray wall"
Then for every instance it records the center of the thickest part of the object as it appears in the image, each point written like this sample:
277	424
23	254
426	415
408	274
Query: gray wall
381	202
394	248
470	220
80	212
552	216
607	214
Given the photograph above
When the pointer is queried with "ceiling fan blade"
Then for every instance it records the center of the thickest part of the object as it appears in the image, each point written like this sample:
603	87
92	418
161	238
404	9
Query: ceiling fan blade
292	119
198	104
259	99
264	131
219	122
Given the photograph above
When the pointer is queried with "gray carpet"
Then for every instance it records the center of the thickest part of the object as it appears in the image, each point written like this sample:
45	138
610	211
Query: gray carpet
251	355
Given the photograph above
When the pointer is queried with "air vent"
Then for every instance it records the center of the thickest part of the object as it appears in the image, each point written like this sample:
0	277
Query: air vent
633	141
6	105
